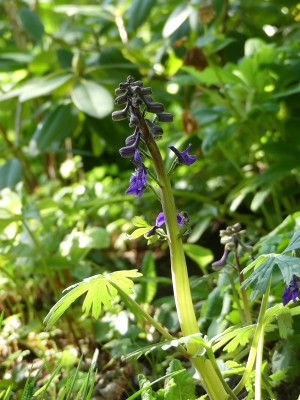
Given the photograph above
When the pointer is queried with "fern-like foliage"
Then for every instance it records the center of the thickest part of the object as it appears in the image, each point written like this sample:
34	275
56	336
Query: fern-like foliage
101	289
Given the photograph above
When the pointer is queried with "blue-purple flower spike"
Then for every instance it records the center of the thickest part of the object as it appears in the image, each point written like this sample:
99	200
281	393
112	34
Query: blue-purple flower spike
183	157
291	291
138	178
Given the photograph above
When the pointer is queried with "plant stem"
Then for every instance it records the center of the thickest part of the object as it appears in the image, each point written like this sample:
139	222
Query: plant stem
148	318
258	370
254	346
236	297
243	291
181	287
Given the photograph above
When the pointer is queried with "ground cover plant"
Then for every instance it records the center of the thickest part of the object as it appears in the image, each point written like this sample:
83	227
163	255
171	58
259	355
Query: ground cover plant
209	170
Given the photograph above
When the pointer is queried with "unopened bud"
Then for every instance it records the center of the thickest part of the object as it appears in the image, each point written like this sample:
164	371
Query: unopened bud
146	90
165	117
119	115
155	108
121	100
119	91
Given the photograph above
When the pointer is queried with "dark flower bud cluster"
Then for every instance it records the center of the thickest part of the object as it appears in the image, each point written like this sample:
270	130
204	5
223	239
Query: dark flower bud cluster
137	102
231	238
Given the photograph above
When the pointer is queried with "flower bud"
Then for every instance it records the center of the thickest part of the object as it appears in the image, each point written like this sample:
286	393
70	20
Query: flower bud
145	91
165	117
155	108
119	91
155	130
138	83
130	140
134	121
119	115
121	100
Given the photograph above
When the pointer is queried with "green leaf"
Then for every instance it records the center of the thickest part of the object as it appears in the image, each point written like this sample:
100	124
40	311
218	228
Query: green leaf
58	124
284	358
259	199
138	12
138	232
140	223
31	23
10	173
92	99
264	264
201	255
42	86
294	243
148	288
148	393
176	19
180	386
100	290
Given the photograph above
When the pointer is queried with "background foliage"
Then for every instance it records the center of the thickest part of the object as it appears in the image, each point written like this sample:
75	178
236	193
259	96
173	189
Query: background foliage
229	72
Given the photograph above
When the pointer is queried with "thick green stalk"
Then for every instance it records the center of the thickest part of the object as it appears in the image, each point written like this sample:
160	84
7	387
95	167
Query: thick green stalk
258	368
181	287
254	346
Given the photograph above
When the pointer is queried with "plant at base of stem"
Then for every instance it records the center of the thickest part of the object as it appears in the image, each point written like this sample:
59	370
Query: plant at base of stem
135	96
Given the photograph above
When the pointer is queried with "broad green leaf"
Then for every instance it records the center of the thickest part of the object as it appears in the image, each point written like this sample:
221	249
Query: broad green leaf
138	12
214	303
92	99
176	19
294	243
147	288
58	123
180	386
10	173
31	23
259	199
42	86
138	232
201	255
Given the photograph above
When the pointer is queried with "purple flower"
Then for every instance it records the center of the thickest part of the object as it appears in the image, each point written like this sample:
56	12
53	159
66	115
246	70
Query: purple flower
138	178
183	156
291	291
160	220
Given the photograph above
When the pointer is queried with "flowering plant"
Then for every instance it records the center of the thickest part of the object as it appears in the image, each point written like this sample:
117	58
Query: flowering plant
102	289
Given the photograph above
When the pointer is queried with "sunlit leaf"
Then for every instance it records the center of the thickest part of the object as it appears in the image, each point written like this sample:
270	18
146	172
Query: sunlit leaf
92	99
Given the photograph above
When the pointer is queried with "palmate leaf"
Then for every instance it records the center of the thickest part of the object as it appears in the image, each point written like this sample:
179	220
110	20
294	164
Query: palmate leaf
263	268
101	289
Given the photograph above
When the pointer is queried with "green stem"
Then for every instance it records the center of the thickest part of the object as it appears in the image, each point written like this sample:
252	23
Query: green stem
258	369
148	317
243	291
181	287
236	297
254	346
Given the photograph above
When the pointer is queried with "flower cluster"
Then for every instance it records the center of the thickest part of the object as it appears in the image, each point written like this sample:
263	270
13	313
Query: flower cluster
137	102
